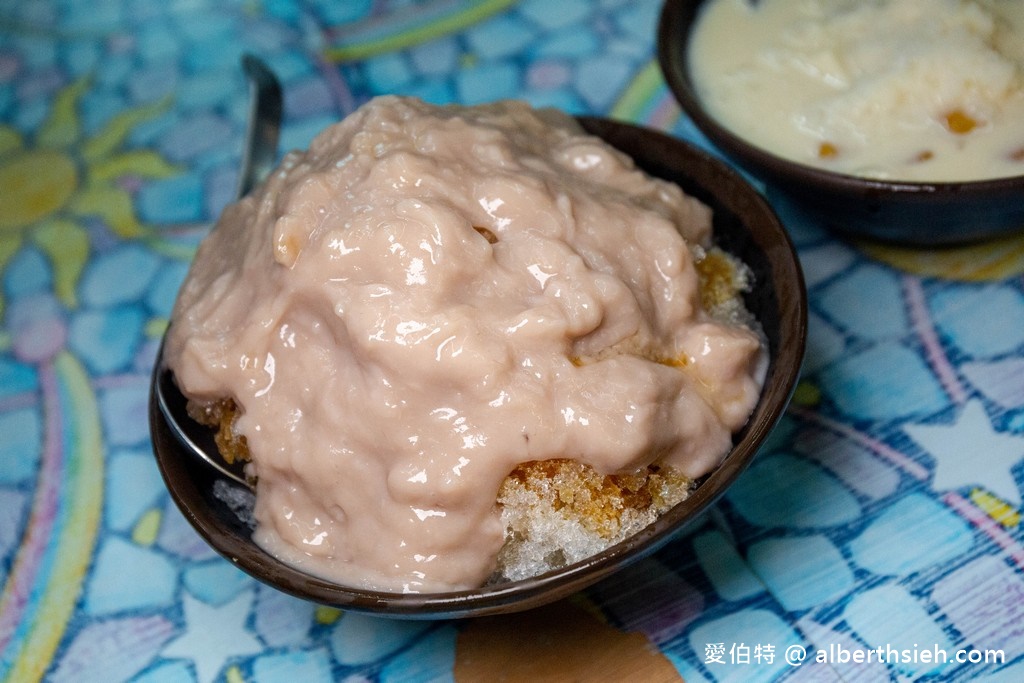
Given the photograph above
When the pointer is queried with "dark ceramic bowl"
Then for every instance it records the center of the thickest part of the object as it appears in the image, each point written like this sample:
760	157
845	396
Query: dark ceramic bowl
744	225
909	213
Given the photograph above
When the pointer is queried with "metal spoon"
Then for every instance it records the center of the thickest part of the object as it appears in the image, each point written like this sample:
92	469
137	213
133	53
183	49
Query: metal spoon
264	127
258	156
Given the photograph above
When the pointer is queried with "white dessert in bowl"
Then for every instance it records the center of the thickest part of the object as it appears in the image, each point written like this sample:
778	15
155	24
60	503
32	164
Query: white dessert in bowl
909	90
876	205
429	299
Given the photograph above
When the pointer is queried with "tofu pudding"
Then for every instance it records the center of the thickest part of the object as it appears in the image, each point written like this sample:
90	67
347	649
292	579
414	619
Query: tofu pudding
436	307
911	90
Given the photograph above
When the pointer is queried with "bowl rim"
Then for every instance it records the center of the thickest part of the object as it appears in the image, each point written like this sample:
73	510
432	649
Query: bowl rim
185	479
673	59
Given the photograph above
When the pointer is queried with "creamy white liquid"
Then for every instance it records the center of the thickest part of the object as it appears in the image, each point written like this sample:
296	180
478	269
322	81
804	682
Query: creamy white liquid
393	364
919	90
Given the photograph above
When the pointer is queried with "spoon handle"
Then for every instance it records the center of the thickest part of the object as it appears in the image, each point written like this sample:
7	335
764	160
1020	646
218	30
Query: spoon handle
264	127
258	157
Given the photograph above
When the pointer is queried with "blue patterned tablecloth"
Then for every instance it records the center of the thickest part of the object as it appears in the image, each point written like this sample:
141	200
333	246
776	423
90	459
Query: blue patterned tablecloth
883	516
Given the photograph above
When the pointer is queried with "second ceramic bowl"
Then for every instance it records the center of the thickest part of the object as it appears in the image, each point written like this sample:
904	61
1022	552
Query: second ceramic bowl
913	213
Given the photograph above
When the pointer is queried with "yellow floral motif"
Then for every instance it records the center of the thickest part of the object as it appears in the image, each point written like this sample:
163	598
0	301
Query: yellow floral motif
64	176
988	261
996	508
327	615
807	394
145	531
